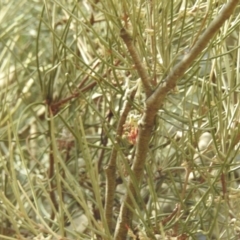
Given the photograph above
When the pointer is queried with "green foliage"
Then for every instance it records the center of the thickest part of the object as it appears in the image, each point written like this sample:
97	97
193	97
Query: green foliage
72	101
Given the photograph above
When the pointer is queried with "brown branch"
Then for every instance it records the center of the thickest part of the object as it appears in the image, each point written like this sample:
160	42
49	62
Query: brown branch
144	135
104	141
51	170
111	167
55	106
170	81
80	85
153	103
170	217
146	81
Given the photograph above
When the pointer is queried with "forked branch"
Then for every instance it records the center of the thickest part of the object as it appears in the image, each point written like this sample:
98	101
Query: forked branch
153	103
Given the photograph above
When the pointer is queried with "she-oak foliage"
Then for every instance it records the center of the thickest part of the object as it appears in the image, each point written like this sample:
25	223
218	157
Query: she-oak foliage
119	119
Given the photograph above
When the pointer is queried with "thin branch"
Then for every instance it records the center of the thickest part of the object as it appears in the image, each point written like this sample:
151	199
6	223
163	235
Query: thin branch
55	106
146	81
111	167
157	98
153	103
144	136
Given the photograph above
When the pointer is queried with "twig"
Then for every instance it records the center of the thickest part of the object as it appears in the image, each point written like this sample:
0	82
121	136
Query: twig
170	217
170	81
137	61
104	141
84	80
111	167
55	106
51	178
